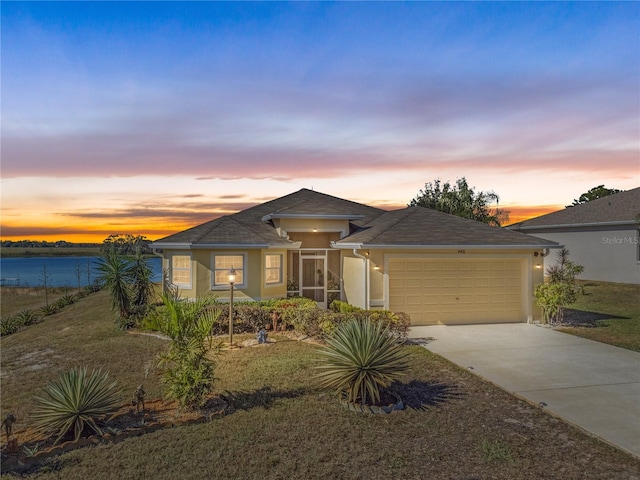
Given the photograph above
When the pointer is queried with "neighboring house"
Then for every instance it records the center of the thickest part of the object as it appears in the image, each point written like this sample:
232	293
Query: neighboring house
436	267
602	235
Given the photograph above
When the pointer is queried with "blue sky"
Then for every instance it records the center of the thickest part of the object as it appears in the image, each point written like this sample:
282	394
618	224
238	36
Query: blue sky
159	115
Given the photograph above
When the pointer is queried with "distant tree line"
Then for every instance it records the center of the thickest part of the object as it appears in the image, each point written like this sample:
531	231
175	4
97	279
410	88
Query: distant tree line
44	244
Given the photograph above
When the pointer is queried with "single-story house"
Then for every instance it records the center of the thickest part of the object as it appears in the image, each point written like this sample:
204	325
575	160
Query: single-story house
601	235
436	267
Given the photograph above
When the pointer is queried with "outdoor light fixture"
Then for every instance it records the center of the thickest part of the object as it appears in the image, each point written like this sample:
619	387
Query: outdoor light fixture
232	280
315	230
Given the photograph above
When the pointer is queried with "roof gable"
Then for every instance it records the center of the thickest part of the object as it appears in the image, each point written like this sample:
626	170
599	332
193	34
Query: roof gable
248	227
622	207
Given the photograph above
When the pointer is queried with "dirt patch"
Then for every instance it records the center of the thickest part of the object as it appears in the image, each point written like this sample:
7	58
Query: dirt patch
28	447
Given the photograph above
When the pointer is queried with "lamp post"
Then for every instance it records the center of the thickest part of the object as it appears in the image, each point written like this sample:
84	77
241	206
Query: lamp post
232	280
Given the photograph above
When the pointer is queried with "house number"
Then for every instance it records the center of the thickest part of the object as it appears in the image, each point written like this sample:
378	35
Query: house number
461	251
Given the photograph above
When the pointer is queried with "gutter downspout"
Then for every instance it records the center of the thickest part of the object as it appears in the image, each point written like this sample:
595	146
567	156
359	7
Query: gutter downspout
366	277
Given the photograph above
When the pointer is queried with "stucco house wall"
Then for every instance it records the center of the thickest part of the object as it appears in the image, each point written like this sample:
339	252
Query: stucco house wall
607	255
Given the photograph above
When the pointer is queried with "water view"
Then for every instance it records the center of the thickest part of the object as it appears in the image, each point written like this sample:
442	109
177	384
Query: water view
60	271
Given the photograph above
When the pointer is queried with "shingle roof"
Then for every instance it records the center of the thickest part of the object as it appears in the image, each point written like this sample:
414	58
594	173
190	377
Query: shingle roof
248	227
411	226
619	207
417	226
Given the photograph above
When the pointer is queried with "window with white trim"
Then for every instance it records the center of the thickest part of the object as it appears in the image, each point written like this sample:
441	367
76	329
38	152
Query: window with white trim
273	269
222	263
181	270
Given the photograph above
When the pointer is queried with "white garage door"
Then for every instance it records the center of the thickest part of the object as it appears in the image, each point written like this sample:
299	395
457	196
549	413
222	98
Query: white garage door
450	291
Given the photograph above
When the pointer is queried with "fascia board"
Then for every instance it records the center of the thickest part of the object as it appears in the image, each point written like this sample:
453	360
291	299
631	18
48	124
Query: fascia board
445	246
171	246
573	225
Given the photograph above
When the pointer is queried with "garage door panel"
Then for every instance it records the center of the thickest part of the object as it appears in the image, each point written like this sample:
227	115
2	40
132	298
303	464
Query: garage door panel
465	282
453	291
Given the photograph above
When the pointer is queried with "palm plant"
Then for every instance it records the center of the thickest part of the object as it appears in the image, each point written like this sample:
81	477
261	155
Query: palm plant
114	272
188	366
361	359
75	400
140	274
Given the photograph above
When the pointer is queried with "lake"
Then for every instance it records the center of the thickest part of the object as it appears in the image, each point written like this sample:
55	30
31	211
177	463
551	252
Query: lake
61	271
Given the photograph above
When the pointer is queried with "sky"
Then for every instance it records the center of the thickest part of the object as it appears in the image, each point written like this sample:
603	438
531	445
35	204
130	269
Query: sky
151	117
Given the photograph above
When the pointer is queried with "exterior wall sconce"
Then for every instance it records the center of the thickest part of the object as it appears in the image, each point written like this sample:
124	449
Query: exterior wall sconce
232	280
376	267
315	230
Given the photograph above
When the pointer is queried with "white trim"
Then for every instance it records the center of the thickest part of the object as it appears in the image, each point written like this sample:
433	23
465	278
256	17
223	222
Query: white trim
365	246
210	246
516	227
169	246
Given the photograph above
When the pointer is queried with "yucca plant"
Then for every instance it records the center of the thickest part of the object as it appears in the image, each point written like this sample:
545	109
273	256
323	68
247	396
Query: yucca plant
360	360
75	400
114	273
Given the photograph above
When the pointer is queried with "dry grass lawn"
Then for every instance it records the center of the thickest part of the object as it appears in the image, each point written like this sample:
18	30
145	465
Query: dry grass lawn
282	427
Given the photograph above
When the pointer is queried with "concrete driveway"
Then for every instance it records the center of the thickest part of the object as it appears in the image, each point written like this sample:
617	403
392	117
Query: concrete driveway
589	384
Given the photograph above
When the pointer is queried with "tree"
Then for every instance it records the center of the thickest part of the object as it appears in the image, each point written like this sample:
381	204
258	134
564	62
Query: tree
461	200
559	289
127	276
126	244
593	194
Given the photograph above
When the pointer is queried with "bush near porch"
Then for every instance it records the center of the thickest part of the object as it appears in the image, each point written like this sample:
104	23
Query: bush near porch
303	316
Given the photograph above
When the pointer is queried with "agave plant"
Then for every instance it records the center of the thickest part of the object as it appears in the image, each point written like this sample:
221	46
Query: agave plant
28	317
9	325
360	360
75	400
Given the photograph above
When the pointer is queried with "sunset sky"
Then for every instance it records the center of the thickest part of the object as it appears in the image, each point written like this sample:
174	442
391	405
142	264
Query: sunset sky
148	118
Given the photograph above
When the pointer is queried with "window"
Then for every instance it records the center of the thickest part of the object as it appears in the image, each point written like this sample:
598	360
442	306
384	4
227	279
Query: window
181	270
273	269
221	266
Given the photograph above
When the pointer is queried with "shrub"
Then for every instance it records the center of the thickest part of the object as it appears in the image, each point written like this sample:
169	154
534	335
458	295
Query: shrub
188	369
250	318
343	307
65	300
360	360
560	288
397	323
49	309
9	325
75	400
27	317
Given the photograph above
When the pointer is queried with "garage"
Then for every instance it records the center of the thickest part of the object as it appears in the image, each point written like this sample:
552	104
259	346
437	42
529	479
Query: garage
454	290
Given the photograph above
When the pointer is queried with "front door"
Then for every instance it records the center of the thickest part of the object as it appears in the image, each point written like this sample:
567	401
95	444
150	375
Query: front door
312	275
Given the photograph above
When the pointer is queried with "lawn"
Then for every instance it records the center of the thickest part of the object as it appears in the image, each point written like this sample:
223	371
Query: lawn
608	313
16	299
283	426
